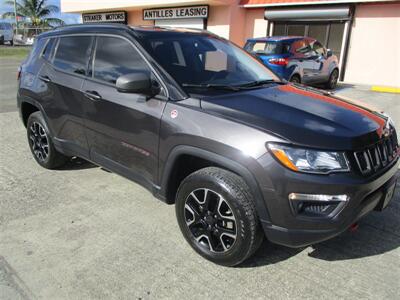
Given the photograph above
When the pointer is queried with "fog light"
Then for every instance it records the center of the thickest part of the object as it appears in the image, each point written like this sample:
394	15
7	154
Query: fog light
318	197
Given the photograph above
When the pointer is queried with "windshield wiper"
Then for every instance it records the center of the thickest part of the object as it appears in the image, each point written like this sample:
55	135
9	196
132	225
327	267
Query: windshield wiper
212	86
257	83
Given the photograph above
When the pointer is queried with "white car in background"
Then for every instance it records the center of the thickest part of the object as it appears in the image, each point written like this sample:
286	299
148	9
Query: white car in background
6	33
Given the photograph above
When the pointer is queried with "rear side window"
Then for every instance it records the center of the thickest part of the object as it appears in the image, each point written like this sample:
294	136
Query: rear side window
48	50
301	47
115	57
73	54
267	48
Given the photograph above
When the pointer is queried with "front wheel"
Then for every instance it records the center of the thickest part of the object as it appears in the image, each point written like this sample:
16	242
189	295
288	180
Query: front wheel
333	79
295	79
216	214
41	144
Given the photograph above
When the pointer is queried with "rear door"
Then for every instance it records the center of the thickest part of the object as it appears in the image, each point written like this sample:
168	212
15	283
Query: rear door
62	77
122	128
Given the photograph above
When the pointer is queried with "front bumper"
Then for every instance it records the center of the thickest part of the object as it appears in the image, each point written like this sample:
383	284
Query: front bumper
287	228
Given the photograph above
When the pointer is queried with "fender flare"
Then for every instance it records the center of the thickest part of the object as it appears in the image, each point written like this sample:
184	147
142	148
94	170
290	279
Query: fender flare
25	99
222	161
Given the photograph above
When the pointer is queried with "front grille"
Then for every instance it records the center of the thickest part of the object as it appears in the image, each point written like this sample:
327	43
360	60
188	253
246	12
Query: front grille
377	157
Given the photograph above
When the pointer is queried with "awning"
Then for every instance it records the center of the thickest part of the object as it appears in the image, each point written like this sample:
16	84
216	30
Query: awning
269	3
277	2
310	13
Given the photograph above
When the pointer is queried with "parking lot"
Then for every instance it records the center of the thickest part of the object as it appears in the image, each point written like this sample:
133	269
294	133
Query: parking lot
83	233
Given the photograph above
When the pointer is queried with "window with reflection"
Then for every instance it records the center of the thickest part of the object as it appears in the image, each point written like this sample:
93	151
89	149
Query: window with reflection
115	57
73	54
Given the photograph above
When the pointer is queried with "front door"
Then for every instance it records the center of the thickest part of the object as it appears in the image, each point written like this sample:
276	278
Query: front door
303	58
122	128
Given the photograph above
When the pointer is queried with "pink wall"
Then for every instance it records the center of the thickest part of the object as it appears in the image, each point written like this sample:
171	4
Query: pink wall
256	25
236	23
135	18
218	20
374	52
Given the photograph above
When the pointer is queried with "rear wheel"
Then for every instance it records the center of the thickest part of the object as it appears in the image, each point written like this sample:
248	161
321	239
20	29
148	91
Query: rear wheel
333	79
216	214
295	79
40	143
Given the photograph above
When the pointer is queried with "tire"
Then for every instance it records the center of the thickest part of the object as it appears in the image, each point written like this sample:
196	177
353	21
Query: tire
295	79
11	43
216	214
333	79
40	143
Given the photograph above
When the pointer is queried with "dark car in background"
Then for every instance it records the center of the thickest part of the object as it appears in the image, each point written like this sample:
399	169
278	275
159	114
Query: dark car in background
204	125
297	59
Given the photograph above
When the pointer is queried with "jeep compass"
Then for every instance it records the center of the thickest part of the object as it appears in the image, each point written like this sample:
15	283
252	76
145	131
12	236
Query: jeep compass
206	126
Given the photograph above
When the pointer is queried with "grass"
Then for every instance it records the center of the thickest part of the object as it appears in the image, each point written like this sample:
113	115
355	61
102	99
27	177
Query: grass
17	52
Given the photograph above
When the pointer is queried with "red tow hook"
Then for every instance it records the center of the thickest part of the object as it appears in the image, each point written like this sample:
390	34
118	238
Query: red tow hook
353	227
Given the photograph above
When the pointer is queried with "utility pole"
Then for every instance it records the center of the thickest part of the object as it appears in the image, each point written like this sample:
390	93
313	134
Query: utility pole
16	18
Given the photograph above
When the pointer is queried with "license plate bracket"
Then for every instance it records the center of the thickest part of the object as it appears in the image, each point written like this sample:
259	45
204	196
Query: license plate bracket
388	194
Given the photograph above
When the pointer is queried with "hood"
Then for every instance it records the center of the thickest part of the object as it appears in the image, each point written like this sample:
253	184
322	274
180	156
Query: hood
302	115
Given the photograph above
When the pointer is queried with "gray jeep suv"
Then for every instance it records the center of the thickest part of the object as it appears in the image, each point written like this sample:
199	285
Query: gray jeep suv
204	125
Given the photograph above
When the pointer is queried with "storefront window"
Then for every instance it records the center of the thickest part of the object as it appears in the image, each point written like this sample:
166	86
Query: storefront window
279	29
329	35
296	30
335	38
318	32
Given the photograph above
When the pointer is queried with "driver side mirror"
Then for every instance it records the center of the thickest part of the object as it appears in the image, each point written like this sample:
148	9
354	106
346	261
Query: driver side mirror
329	53
138	82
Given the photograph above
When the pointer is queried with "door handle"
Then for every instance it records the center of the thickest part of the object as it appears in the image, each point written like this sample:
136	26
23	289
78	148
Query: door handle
44	78
92	95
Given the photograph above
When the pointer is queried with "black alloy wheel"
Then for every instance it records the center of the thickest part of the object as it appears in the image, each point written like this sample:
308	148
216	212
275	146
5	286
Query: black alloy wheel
216	213
211	220
39	141
41	144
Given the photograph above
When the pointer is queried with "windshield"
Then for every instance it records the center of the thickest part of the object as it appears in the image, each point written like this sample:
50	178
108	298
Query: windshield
267	48
199	59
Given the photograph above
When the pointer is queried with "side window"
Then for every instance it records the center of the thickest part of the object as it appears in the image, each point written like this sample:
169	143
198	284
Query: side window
48	50
73	54
301	48
115	57
317	48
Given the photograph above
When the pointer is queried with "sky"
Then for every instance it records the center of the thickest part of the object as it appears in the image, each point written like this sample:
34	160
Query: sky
68	18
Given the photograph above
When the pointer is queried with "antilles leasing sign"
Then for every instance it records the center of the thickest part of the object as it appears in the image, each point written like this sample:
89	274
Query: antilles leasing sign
200	11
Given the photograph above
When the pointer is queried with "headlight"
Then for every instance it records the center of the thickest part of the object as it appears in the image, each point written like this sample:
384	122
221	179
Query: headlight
309	161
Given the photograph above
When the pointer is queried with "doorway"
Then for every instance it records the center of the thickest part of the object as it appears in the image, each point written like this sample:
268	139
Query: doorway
330	34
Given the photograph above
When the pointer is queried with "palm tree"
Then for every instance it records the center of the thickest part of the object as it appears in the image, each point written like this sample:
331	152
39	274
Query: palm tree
36	10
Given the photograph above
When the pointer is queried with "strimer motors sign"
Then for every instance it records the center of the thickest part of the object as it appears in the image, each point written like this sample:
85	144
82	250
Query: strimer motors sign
188	12
107	17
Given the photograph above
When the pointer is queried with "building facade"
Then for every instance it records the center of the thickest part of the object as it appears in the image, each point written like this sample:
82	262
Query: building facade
365	35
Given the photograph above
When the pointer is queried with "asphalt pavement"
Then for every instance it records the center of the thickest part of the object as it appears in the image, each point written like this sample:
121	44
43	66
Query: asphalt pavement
83	233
